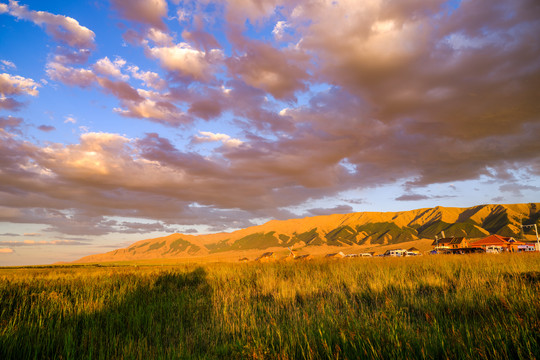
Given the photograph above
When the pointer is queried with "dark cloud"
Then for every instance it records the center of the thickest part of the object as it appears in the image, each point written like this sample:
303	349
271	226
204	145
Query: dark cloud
67	56
516	188
143	11
46	128
279	72
339	209
120	89
40	243
11	124
10	104
412	197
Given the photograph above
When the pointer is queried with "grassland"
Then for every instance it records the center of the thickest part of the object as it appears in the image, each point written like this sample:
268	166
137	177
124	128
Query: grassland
431	307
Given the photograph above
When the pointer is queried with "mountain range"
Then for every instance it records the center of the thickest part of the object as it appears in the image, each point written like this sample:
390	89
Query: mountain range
337	231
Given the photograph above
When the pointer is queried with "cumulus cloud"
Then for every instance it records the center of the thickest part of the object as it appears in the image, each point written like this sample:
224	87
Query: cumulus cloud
238	11
278	72
70	75
106	67
149	78
206	136
407	61
158	111
94	173
11	124
121	89
148	12
17	85
159	37
279	30
186	62
63	28
136	103
201	39
66	56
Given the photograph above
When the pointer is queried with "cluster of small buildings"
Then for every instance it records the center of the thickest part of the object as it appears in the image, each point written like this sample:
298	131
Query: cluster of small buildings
492	244
451	245
489	244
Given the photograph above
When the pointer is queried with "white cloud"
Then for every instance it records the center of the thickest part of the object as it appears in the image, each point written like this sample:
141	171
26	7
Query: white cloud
159	111
70	75
70	119
182	15
5	64
106	67
159	37
185	61
207	136
149	78
14	85
62	28
279	29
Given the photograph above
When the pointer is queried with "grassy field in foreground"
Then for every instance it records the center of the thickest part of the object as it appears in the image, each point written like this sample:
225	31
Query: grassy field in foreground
433	307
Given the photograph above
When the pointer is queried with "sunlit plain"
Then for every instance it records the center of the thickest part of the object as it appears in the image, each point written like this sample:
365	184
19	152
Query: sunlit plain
430	307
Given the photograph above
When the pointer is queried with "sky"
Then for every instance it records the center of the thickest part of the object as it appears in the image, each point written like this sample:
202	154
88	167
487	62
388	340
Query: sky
124	120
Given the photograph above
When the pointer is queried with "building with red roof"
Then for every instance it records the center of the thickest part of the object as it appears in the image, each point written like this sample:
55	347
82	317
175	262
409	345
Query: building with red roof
497	242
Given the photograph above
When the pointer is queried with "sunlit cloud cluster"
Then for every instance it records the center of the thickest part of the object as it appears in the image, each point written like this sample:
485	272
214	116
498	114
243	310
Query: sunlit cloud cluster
318	97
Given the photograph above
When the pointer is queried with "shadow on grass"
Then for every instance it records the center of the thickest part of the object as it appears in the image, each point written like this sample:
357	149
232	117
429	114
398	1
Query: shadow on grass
169	317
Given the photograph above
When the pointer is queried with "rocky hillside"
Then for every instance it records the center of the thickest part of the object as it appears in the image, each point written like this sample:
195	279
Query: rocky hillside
362	228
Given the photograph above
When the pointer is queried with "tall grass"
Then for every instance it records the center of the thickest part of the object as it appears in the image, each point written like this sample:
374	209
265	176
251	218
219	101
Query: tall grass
464	307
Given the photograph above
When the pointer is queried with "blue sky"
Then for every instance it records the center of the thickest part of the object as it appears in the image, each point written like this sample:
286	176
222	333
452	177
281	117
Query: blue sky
126	120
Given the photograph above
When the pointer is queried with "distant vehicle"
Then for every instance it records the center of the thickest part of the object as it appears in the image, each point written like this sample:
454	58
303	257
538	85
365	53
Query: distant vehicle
439	251
365	255
526	248
412	253
395	252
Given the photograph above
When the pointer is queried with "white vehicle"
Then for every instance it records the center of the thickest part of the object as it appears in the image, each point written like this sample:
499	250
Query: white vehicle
526	248
395	252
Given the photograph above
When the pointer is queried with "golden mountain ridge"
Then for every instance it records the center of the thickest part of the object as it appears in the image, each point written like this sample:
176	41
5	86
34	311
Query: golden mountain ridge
337	231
